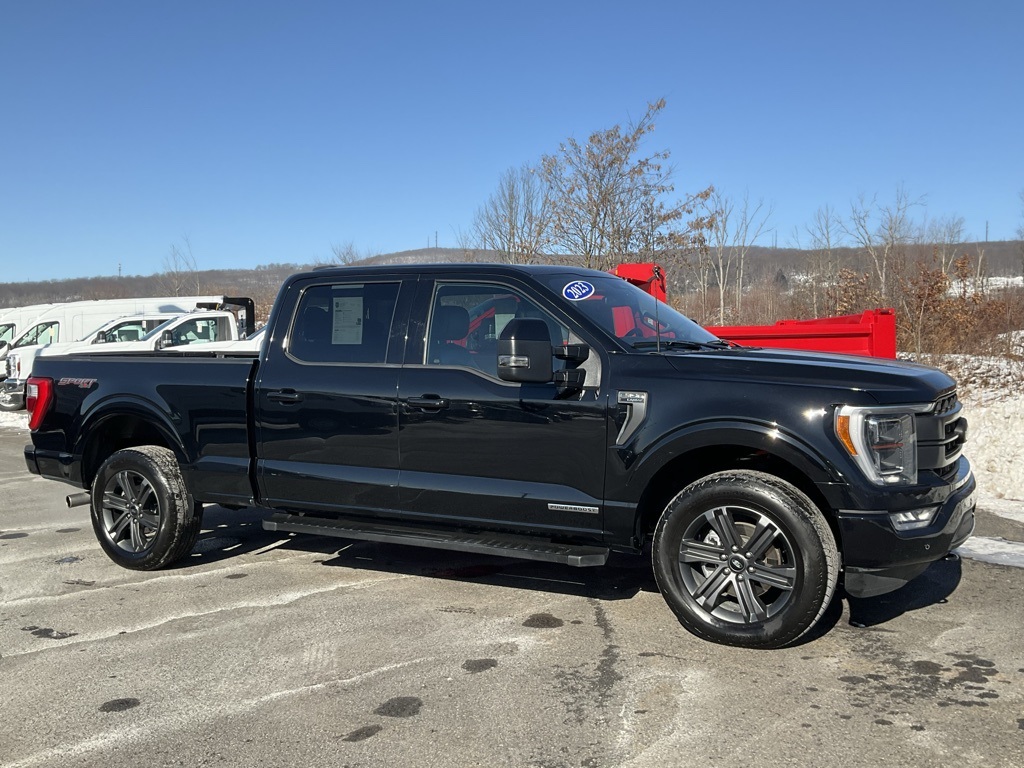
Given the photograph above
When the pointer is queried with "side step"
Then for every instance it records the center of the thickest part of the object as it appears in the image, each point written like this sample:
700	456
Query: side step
502	544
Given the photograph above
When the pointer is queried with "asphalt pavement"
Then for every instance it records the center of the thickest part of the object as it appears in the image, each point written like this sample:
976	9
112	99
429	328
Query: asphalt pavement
279	650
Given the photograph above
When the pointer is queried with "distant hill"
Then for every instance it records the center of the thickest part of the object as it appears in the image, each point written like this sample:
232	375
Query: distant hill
1003	258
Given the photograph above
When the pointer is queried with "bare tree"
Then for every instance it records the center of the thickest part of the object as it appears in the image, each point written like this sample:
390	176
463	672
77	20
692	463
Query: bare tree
748	228
730	235
346	253
882	232
516	219
946	236
1020	234
180	269
824	231
611	203
720	255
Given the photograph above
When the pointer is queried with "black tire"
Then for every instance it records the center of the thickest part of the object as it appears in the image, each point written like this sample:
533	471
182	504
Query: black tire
142	514
11	403
744	558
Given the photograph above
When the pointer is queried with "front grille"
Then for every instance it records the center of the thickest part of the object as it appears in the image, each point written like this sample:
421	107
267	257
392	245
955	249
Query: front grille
945	404
940	435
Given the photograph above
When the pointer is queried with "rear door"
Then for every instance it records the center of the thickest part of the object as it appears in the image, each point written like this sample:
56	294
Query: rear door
326	420
480	451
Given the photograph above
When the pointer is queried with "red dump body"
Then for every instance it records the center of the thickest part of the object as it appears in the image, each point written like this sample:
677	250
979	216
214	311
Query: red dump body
871	333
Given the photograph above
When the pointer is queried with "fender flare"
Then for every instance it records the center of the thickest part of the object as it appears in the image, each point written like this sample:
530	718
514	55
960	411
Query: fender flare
117	406
754	435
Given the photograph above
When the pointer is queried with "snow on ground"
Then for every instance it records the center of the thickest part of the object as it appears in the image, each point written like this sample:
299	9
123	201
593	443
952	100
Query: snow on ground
16	420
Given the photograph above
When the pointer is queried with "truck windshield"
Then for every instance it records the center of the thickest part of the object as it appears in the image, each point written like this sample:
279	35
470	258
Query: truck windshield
6	331
628	313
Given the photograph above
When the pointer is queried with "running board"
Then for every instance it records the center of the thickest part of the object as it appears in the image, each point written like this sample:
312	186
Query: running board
501	544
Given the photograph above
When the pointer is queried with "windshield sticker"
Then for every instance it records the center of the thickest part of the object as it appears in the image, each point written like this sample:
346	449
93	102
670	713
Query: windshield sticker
578	290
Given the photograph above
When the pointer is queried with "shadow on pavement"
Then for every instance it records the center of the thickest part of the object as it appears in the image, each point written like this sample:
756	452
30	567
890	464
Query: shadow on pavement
933	586
231	533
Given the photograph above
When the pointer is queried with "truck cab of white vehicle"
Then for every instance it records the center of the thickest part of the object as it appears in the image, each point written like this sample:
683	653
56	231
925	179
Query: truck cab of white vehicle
200	327
79	321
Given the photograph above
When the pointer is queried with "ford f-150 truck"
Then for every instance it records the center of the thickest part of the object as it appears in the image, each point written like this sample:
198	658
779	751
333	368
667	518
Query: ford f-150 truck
542	412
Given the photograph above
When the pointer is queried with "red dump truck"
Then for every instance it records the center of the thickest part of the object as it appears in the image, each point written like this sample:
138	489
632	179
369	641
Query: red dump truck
871	333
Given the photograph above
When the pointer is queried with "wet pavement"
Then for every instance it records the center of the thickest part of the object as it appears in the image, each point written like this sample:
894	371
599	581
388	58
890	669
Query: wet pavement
277	650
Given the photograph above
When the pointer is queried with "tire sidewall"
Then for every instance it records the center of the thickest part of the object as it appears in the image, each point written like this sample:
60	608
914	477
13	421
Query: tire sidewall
168	501
810	587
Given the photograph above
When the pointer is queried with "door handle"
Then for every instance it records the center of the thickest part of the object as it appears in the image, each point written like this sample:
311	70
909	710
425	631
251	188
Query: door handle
427	403
284	396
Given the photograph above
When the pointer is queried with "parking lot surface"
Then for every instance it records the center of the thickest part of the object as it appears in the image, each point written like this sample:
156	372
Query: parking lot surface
277	650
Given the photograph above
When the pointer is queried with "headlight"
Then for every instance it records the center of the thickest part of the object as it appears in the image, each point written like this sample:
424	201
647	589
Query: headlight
883	442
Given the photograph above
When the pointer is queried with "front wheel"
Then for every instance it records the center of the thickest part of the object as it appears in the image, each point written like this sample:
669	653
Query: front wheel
142	514
744	558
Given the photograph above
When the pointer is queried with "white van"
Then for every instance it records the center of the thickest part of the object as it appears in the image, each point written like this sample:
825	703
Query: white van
75	321
14	320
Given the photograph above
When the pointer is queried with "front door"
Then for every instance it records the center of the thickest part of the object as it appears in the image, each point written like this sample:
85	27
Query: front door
482	452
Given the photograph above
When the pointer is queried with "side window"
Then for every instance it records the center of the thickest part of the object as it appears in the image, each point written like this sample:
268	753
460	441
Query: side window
202	330
44	333
343	323
130	331
466	321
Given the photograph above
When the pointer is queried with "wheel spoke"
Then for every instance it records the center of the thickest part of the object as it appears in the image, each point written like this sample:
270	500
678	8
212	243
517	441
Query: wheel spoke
722	524
120	522
761	539
693	551
144	494
124	480
750	604
138	541
781	576
710	590
115	502
152	522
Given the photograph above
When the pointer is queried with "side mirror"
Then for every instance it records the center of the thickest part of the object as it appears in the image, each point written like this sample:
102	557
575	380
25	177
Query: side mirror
101	338
166	340
524	352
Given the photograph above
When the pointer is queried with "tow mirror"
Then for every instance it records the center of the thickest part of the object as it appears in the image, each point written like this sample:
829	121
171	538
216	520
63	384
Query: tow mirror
524	352
166	340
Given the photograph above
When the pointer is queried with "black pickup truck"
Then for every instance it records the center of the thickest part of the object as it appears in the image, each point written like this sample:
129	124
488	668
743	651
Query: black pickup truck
539	412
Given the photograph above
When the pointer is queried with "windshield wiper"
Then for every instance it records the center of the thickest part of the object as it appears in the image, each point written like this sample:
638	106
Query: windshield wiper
682	344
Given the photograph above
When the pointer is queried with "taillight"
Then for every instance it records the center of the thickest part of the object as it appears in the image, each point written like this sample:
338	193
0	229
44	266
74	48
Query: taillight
38	399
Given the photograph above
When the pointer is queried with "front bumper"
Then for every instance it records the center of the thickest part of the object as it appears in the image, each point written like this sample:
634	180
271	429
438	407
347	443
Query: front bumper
879	559
12	393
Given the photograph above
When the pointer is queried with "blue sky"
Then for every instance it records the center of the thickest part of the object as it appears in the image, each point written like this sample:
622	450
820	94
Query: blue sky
268	131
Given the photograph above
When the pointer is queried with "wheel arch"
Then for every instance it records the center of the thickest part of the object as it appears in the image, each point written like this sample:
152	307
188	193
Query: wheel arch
717	448
119	426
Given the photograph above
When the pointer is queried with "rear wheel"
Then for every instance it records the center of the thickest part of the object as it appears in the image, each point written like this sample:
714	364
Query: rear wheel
142	514
744	558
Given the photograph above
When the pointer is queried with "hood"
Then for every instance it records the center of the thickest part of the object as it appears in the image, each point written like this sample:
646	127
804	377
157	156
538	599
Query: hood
111	346
887	382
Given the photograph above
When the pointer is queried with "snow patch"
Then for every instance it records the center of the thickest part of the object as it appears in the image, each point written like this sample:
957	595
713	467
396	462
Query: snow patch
997	551
15	420
995	445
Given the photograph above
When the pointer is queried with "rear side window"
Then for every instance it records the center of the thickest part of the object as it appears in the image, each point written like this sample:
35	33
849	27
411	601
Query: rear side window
343	323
